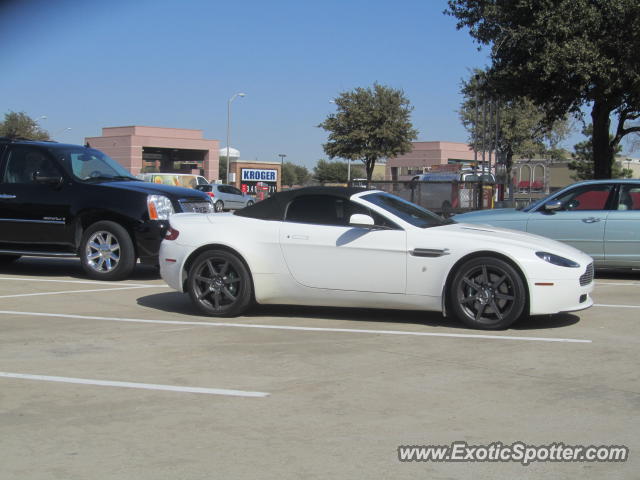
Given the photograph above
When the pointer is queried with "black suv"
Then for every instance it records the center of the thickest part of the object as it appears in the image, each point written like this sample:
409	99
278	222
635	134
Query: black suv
68	200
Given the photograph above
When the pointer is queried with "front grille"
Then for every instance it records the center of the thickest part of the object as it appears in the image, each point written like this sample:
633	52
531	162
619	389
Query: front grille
587	277
196	207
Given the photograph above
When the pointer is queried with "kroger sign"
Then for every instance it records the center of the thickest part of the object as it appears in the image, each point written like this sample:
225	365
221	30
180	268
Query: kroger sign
259	175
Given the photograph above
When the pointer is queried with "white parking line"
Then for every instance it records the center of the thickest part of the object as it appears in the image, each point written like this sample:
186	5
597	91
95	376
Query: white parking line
70	291
615	306
304	329
86	282
144	386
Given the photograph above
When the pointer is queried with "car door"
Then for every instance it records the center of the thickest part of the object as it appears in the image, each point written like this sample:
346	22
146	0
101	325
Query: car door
236	197
580	221
322	251
33	215
622	231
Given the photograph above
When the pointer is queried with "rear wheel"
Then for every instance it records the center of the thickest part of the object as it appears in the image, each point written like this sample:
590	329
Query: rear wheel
219	206
107	252
250	203
220	284
487	293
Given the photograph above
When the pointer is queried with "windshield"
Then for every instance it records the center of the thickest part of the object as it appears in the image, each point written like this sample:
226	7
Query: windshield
87	164
407	211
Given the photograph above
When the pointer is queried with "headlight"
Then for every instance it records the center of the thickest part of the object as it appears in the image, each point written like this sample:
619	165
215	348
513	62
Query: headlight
557	260
159	207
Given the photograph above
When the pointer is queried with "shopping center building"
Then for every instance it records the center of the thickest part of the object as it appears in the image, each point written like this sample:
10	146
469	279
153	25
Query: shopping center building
155	149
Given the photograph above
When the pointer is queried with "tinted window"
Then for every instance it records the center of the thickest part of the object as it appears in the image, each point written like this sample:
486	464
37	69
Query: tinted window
328	210
23	163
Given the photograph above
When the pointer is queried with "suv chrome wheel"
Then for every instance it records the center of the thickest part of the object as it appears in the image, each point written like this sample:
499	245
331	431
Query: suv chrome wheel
107	251
103	252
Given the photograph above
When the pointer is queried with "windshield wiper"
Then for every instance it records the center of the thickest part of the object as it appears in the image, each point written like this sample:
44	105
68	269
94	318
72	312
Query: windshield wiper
109	177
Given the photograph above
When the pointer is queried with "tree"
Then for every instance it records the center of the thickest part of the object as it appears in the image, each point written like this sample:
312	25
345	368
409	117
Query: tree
21	125
565	55
370	123
295	174
524	130
335	172
582	160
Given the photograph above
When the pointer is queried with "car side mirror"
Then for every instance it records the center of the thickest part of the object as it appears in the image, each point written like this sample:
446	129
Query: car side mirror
43	179
361	220
553	205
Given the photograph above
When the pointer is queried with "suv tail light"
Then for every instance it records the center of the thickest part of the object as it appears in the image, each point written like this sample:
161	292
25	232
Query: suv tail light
171	234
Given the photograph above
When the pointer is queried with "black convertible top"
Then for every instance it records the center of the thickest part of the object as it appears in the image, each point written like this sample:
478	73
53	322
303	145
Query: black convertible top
274	207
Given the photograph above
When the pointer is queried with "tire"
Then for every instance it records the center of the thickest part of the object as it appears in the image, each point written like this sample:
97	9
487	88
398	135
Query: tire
107	252
250	203
487	293
219	206
7	259
219	284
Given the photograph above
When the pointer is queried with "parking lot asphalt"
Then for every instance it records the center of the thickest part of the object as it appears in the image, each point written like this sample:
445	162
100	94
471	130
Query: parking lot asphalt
126	380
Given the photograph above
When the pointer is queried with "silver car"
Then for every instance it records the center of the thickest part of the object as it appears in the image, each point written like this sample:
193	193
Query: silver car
226	197
599	217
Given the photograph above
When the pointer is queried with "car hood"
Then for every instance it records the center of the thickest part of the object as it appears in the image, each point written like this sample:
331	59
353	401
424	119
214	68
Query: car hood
155	189
484	236
489	215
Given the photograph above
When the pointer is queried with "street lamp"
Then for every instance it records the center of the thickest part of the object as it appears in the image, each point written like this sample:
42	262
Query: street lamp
282	156
229	126
61	131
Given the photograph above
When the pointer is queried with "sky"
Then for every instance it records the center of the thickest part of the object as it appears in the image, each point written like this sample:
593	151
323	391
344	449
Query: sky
89	64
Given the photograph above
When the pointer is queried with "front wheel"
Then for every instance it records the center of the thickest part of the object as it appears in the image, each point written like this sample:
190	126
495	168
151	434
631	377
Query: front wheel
219	284
487	293
107	252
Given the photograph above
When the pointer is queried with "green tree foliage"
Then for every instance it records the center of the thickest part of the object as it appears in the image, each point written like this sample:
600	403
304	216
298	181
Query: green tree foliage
295	174
524	130
565	55
582	160
335	172
370	123
21	125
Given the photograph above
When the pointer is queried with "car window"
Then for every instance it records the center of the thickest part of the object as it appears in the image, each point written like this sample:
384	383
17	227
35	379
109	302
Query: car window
329	210
23	163
235	191
202	181
589	197
629	198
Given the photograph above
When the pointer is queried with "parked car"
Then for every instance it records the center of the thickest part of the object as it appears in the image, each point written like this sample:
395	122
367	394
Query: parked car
226	197
599	217
187	180
352	247
60	200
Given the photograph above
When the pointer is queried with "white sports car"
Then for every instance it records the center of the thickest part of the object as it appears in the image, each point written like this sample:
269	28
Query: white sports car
350	247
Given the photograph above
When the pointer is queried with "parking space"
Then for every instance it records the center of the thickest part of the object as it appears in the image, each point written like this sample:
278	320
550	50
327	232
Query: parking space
127	380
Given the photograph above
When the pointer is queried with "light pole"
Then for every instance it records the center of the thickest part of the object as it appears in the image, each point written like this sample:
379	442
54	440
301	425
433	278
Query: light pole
282	157
229	127
62	131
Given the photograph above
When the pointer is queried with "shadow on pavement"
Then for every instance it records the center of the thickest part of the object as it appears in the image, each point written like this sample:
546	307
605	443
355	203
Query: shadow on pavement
66	267
175	302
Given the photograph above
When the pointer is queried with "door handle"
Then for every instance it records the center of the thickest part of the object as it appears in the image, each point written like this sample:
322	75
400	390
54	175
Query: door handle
591	220
6	196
